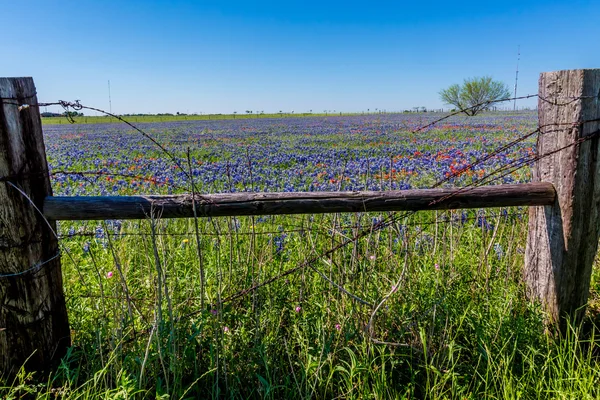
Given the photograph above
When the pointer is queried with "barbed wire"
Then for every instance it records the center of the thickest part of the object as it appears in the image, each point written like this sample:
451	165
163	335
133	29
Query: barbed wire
572	99
35	268
77	106
143	178
470	108
489	178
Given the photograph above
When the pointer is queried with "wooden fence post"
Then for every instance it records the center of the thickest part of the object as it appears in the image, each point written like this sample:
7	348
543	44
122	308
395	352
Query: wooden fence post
33	316
563	238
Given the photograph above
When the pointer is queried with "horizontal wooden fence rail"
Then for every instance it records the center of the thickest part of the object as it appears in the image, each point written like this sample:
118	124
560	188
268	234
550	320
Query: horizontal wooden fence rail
230	204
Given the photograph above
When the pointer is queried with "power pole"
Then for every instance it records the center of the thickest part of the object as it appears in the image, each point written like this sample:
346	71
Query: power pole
109	101
517	77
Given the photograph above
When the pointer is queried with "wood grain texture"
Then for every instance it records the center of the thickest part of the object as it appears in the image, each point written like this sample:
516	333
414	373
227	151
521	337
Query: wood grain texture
181	206
33	316
563	237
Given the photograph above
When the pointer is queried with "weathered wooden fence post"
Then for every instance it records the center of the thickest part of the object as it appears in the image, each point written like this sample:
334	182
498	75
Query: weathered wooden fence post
563	238
33	316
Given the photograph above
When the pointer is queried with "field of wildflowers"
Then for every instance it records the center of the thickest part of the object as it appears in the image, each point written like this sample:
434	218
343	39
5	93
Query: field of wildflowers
432	306
375	152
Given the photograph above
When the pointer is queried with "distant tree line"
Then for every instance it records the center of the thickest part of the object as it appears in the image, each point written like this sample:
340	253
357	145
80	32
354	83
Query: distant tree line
65	114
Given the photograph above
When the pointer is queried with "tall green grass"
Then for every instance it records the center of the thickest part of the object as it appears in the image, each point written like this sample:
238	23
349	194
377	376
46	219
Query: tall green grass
451	322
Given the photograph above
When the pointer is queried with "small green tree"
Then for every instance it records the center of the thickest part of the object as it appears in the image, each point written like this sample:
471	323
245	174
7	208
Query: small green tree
475	94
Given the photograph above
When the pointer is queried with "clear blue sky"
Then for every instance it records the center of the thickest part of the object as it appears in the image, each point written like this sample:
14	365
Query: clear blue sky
225	56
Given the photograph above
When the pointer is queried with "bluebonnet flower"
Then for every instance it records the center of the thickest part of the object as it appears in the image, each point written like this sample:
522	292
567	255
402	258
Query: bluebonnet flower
279	242
99	233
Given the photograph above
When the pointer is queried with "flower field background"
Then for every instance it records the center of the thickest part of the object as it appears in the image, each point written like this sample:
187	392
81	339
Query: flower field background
376	152
430	306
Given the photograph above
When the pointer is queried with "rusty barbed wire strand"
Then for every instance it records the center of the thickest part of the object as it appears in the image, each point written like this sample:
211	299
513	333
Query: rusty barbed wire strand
34	269
484	103
486	158
77	106
119	175
519	163
571	98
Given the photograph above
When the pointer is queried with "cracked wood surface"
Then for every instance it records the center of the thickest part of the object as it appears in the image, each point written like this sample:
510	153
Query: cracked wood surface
33	316
563	237
225	204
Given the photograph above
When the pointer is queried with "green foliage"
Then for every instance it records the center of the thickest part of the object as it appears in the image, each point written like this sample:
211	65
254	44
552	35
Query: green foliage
475	94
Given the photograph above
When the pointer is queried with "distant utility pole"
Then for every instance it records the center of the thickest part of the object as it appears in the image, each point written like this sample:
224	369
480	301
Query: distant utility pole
109	101
517	77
